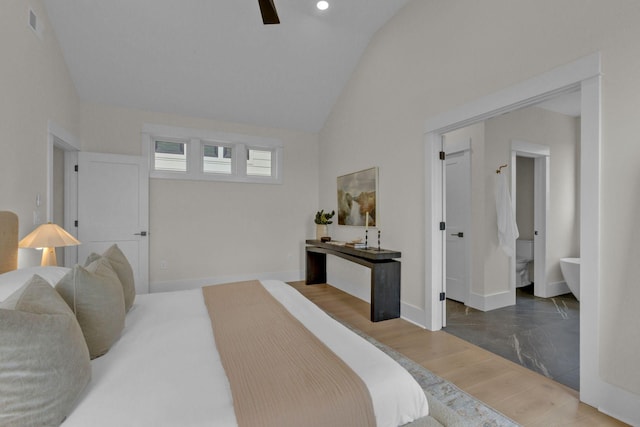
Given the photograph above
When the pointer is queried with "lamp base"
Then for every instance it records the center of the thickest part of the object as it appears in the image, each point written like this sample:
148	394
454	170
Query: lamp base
49	257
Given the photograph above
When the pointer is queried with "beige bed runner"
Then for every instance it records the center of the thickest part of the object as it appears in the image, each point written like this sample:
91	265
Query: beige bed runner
280	373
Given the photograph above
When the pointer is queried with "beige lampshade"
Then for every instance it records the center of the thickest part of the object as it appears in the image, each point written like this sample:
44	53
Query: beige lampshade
48	236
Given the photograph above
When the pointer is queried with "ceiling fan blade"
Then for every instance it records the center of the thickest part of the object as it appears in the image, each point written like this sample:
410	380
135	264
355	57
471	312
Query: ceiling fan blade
269	13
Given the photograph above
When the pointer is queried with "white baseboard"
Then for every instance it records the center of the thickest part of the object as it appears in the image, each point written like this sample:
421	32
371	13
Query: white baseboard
413	314
181	285
557	288
360	291
408	312
619	404
490	302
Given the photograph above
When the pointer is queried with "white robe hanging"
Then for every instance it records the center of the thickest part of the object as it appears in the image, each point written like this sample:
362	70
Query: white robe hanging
507	227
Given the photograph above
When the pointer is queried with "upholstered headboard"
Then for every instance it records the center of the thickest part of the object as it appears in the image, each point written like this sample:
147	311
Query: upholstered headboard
8	241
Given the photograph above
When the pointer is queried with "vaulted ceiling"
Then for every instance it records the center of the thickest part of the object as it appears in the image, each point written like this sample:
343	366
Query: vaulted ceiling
215	58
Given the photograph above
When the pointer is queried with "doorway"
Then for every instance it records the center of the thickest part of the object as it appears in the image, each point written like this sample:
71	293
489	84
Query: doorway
583	74
62	150
534	227
537	333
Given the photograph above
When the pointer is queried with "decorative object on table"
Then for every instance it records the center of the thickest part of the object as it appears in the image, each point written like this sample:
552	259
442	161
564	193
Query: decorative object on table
325	239
322	220
48	236
366	231
378	239
357	196
356	244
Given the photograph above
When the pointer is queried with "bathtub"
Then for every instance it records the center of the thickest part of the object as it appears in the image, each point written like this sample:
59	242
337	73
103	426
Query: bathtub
570	268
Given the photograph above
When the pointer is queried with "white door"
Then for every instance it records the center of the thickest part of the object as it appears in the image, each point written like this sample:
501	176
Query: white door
458	223
113	207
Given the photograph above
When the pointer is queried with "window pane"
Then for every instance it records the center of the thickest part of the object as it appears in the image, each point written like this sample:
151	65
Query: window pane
259	162
216	159
210	151
170	156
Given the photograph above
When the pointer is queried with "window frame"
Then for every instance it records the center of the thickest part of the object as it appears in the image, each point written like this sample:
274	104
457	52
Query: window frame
196	139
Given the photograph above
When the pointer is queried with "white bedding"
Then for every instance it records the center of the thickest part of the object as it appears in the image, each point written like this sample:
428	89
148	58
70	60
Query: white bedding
165	370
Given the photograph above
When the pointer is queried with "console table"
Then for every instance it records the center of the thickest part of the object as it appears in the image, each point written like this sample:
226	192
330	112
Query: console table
385	273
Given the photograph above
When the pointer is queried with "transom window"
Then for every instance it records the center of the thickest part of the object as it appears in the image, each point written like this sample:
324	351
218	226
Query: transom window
258	162
177	153
170	156
216	159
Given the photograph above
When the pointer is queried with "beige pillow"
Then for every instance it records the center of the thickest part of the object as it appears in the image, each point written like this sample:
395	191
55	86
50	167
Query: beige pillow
94	294
123	269
44	361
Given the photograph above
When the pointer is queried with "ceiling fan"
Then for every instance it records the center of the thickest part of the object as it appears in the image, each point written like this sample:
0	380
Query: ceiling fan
269	13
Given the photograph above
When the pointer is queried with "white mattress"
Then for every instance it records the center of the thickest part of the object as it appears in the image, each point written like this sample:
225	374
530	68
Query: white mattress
165	370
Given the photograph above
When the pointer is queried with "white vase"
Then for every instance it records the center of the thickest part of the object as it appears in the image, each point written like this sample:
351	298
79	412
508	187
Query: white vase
322	230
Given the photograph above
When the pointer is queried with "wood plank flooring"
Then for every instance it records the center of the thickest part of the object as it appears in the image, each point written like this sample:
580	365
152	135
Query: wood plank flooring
526	397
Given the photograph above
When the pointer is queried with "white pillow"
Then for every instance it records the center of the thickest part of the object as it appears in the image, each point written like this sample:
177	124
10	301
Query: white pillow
12	280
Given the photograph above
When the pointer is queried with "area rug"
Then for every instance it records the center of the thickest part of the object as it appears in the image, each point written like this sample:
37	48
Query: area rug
472	411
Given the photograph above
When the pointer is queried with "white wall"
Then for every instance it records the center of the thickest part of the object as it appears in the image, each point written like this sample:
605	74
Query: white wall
559	133
436	55
211	232
35	87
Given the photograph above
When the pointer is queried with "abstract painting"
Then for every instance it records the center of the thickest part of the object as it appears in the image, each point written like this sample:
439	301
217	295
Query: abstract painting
357	196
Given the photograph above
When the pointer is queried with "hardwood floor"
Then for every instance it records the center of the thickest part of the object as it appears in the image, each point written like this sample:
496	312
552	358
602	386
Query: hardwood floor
526	397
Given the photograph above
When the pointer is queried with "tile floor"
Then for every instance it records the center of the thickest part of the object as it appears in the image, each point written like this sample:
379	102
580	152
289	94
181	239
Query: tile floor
542	334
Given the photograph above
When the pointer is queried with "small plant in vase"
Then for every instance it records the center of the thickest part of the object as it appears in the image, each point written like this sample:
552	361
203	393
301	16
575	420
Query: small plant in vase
322	220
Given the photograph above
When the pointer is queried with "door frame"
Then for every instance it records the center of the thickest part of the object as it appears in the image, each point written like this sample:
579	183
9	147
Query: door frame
541	155
584	74
59	137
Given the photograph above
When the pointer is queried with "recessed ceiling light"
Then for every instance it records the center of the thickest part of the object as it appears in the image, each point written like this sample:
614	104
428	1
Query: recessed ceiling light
322	5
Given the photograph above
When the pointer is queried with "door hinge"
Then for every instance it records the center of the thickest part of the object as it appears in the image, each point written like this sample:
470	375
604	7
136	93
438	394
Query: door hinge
442	296
75	223
442	226
75	168
443	156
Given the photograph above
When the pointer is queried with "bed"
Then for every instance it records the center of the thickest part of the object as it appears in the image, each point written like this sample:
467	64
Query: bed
164	368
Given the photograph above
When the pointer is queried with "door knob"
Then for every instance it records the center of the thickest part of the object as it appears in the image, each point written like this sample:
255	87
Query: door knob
460	234
142	233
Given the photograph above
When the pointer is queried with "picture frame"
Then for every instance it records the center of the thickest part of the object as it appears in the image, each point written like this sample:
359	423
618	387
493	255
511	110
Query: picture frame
358	196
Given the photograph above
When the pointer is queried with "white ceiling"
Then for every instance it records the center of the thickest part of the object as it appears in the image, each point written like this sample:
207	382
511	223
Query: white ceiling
215	58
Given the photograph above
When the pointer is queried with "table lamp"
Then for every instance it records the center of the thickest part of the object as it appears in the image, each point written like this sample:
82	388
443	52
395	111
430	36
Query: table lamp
48	237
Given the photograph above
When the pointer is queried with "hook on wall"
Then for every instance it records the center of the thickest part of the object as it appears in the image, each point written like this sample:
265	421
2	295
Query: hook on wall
500	168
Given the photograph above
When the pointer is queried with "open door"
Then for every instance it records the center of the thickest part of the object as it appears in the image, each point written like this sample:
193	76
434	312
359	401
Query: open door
458	225
113	207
